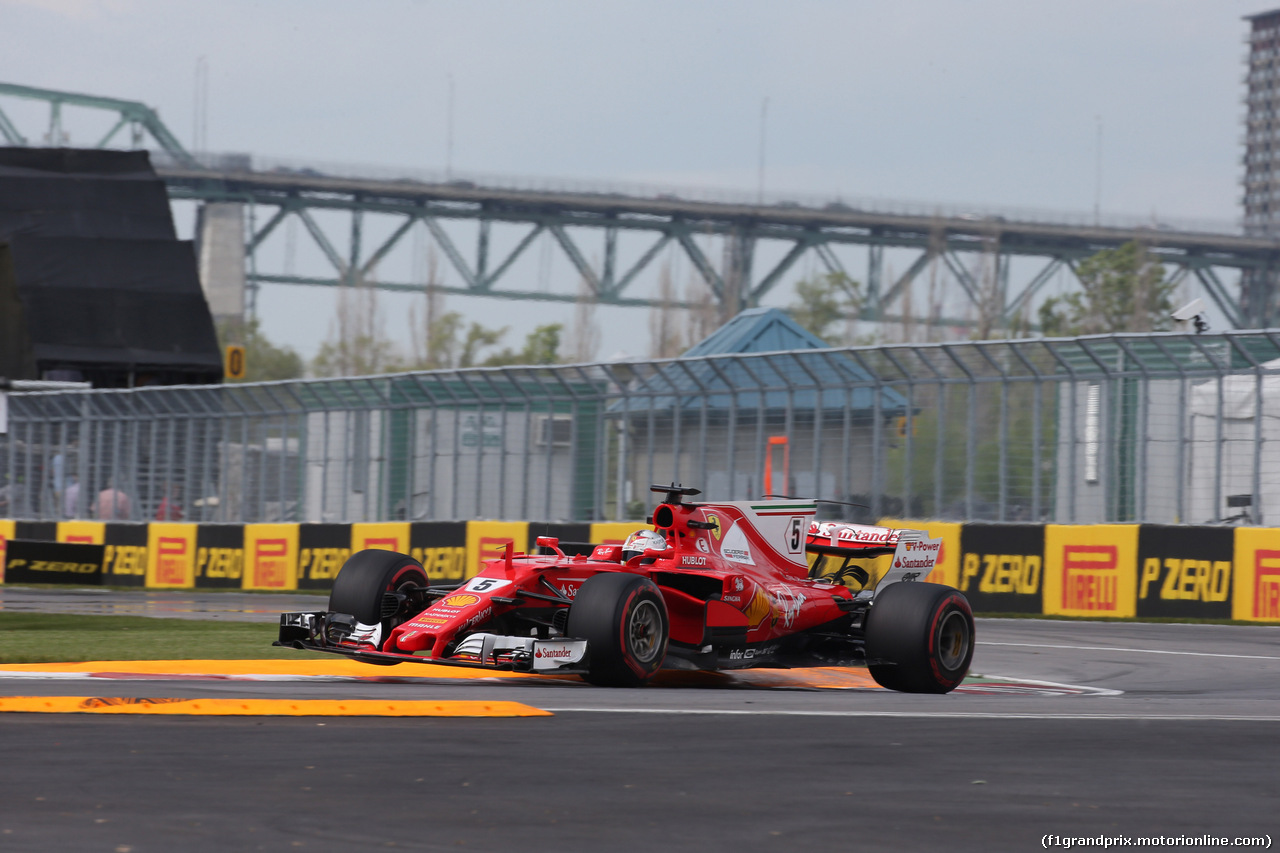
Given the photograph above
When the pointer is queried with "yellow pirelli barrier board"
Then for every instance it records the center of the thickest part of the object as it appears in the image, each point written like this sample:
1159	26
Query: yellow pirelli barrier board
947	569
615	532
1256	575
1090	570
381	536
85	532
171	551
487	540
6	533
270	556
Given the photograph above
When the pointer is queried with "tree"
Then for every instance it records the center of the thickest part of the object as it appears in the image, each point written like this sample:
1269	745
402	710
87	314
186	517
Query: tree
356	345
263	360
824	301
1122	290
477	338
542	346
266	362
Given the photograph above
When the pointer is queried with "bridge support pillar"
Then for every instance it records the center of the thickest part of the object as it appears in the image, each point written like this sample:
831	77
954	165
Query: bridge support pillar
220	248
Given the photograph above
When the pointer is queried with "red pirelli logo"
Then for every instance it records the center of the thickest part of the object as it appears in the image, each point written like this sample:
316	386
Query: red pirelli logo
81	537
383	544
171	563
493	547
1266	585
1089	577
270	568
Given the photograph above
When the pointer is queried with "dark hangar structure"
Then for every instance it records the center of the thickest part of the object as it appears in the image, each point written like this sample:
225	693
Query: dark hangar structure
94	284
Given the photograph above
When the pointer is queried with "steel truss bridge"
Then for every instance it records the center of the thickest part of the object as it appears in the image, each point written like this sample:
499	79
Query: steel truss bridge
739	278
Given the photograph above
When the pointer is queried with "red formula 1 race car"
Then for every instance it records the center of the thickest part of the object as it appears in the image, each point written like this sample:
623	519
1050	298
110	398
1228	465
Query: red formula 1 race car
713	586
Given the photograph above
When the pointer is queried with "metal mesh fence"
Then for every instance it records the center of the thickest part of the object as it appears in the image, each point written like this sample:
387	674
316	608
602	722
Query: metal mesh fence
1158	428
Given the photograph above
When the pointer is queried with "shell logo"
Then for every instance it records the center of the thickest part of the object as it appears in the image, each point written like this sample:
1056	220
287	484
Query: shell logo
464	600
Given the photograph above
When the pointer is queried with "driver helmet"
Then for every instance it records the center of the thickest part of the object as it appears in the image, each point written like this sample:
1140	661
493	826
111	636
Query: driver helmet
640	541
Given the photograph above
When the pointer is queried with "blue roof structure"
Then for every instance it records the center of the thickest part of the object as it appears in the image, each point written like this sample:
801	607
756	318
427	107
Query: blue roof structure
762	359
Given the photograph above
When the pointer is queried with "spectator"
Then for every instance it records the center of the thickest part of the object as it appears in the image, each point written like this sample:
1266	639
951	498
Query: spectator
170	509
111	504
71	497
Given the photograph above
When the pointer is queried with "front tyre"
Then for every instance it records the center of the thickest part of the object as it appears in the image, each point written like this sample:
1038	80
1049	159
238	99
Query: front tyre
624	620
919	637
362	586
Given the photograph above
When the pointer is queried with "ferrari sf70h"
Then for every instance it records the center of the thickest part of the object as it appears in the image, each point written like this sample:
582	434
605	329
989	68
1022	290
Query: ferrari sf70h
710	586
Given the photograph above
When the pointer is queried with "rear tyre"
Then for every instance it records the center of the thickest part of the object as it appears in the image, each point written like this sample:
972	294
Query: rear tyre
919	637
624	621
365	579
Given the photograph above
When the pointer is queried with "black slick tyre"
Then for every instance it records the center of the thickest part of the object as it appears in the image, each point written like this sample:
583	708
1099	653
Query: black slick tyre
919	637
365	578
624	620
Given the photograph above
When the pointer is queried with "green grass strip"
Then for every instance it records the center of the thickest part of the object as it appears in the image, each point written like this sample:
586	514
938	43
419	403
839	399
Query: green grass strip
55	638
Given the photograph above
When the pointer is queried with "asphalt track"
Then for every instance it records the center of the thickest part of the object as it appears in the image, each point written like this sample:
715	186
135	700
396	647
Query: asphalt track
1156	730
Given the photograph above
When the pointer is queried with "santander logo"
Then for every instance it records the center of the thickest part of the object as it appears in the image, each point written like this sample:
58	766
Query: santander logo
552	653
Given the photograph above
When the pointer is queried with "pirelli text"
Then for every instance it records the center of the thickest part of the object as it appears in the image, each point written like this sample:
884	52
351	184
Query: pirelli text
1106	841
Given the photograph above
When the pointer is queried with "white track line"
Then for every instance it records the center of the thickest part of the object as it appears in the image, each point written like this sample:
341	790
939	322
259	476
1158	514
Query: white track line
932	715
1119	649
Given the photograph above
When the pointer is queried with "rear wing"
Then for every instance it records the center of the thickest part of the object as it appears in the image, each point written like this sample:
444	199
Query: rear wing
913	559
914	554
838	539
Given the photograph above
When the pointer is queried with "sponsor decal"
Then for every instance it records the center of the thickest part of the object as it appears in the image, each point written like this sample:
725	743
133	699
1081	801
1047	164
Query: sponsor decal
703	545
736	548
751	654
479	617
689	560
34	561
220	563
379	536
54	566
270	562
1089	580
125	560
322	564
1185	580
171	560
430	620
854	534
1266	591
495	547
461	600
1185	571
732	599
758	608
1002	573
552	654
787	603
569	587
712	518
1001	567
907	563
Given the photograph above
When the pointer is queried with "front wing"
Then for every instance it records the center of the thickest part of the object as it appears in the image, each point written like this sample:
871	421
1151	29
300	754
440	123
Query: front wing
337	633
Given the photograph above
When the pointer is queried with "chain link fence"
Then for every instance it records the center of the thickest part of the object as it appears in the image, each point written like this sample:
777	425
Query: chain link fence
1157	428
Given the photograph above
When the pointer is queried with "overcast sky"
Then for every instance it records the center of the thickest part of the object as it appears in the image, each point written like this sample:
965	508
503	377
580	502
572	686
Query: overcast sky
986	102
